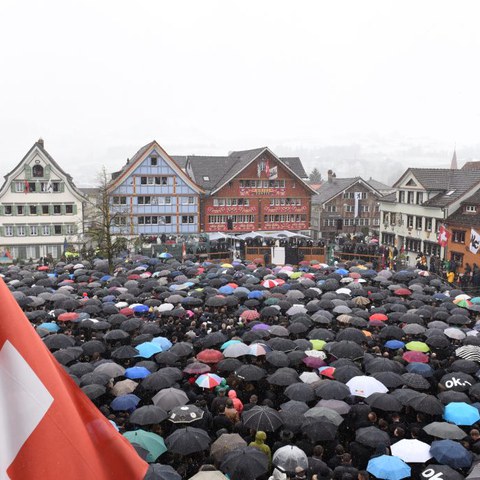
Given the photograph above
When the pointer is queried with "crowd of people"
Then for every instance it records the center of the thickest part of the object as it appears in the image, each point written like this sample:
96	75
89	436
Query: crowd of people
291	372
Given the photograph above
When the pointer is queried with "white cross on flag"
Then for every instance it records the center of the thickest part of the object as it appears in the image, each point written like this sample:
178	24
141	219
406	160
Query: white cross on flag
49	429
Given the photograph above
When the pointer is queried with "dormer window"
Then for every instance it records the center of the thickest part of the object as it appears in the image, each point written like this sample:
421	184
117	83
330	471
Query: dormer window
206	178
471	209
451	192
37	171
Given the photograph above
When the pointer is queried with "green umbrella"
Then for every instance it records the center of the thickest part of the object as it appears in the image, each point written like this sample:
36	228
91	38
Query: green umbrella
417	347
318	344
151	442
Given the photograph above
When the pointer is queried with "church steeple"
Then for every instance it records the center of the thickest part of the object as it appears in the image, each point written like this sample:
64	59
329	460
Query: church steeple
454	165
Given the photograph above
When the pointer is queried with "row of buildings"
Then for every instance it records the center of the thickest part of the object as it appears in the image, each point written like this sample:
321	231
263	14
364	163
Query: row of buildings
155	194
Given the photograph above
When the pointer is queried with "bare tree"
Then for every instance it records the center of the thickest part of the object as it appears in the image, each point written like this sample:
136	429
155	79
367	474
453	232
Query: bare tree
106	222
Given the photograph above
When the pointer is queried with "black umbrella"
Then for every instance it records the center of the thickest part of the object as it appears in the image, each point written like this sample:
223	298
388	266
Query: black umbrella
384	402
347	349
302	392
186	414
332	390
372	437
95	378
124	352
405	395
319	430
81	368
148	415
182	349
383	365
262	418
277	359
161	472
283	377
93	391
157	381
229	365
453	396
245	462
346	372
186	441
93	346
457	381
58	340
427	404
250	373
445	430
116	335
416	381
440	472
389	379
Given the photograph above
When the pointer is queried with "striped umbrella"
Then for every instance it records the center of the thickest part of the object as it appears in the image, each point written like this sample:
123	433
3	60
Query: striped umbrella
469	352
208	380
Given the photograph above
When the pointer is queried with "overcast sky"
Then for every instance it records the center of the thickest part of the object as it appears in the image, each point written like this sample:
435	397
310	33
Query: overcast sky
364	87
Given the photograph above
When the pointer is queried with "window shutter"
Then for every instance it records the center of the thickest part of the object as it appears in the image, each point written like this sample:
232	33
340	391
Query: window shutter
64	229
28	172
74	209
46	171
63	209
50	209
1	210
61	187
12	187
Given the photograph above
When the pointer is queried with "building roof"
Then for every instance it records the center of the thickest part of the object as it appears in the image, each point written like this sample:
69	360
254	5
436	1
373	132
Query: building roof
331	189
39	144
378	185
212	172
131	165
450	184
473	165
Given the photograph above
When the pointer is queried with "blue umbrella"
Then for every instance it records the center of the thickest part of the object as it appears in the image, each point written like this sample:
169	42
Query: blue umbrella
108	298
388	467
341	271
105	278
422	369
451	453
440	296
226	290
140	309
163	342
137	372
394	344
461	413
257	294
125	402
51	327
147	349
165	255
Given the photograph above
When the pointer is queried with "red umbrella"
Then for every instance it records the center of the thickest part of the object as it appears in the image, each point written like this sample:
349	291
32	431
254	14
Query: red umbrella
127	311
354	275
67	317
403	292
279	281
269	283
379	316
43	268
250	315
233	285
327	372
415	357
133	276
210	356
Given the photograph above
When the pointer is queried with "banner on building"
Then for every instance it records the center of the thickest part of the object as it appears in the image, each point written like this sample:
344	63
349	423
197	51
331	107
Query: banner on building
273	173
474	241
358	196
443	236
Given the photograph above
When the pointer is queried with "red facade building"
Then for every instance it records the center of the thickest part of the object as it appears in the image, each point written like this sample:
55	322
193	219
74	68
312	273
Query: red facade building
251	190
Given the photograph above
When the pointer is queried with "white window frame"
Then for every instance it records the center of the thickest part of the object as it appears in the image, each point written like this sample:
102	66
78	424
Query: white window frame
8	230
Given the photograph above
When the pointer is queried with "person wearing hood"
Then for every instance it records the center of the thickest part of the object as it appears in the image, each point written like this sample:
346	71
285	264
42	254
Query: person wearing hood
237	403
259	443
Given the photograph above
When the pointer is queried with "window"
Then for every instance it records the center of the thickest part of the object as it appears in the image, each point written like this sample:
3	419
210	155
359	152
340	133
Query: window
428	224
19	187
329	222
430	248
37	171
20	210
168	201
57	209
206	178
348	194
144	200
33	230
57	229
191	200
143	180
8	231
153	161
53	186
21	231
70	229
187	219
409	221
418	223
33	209
458	236
401	196
388	239
413	245
410	197
471	208
457	257
161	180
419	198
119	200
376	222
331	208
69	209
45	210
365	208
8	209
32	186
349	208
120	221
364	195
46	229
450	193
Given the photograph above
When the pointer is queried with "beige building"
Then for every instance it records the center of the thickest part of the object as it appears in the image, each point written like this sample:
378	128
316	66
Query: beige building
41	209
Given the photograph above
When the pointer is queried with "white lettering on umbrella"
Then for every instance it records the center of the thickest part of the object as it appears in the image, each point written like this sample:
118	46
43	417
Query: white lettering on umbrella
24	401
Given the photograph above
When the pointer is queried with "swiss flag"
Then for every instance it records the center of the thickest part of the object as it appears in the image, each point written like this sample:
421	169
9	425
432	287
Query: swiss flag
49	429
443	236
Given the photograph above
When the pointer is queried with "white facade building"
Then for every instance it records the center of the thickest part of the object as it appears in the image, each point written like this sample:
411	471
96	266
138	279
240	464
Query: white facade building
424	198
41	210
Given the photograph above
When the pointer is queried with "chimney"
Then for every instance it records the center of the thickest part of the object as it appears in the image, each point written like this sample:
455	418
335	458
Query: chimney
331	176
40	142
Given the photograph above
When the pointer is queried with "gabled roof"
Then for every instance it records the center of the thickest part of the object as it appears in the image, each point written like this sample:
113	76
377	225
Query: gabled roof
450	184
40	146
213	172
120	176
378	185
329	190
473	165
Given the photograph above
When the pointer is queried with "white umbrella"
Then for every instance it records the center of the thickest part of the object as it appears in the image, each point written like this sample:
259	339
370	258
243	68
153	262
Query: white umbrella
289	457
309	377
411	451
454	333
363	386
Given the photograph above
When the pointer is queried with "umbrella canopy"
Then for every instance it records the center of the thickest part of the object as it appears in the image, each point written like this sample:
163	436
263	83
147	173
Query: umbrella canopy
148	415
186	441
289	457
208	380
226	443
451	453
169	398
185	414
445	430
411	451
460	413
388	467
161	472
262	418
364	386
151	442
441	472
247	462
372	437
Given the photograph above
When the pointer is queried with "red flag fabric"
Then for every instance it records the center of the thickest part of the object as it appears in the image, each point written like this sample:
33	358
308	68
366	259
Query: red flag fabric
26	188
184	250
49	429
267	168
443	236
